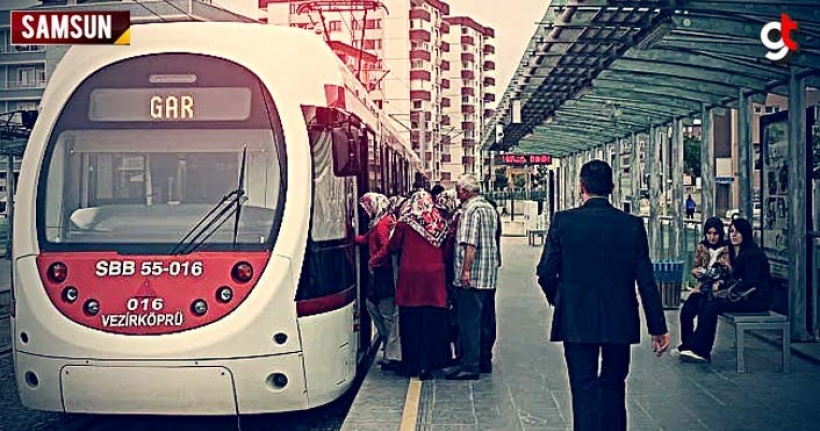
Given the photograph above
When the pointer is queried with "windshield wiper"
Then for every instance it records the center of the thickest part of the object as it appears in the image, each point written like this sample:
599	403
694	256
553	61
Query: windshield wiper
230	204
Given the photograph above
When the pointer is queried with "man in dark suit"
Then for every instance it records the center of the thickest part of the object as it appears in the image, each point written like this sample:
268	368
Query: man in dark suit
592	259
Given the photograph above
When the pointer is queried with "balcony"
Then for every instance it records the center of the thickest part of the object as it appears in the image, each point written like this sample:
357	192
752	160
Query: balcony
468	160
489	49
467	125
489	65
419	35
423	75
428	156
445	83
445	102
416	115
467	57
467	109
467	74
445	27
420	14
445	120
489	81
445	158
489	97
446	176
489	112
445	65
468	143
420	95
467	40
445	140
467	91
445	47
420	54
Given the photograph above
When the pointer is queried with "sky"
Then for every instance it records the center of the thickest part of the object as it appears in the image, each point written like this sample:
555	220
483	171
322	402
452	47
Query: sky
514	27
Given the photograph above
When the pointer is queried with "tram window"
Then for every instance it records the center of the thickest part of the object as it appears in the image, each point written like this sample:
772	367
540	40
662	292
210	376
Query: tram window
152	186
329	191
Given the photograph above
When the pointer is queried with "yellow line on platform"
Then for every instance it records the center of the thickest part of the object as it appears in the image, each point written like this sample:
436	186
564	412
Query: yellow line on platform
411	406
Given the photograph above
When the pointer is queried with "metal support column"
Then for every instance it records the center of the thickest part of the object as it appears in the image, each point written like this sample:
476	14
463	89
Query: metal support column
677	189
744	159
665	149
707	165
796	208
652	169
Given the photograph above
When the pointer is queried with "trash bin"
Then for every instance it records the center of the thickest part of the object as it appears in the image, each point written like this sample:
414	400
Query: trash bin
669	278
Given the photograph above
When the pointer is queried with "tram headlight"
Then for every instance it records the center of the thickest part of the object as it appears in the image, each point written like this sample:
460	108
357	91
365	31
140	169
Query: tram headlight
57	272
242	272
71	294
199	307
224	294
91	307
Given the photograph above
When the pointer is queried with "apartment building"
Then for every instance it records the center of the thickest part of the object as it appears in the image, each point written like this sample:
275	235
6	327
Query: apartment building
467	100
411	62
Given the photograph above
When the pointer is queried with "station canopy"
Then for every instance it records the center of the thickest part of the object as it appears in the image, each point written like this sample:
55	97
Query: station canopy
596	71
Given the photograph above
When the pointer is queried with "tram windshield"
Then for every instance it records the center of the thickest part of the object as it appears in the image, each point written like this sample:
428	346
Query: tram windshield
155	185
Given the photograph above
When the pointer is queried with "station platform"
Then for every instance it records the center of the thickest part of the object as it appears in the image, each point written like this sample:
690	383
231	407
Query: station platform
529	389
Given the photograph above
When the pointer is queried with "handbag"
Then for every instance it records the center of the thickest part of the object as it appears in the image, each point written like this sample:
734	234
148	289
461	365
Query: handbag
735	292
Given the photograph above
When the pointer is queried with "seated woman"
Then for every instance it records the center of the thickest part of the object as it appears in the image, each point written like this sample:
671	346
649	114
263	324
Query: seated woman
712	251
750	270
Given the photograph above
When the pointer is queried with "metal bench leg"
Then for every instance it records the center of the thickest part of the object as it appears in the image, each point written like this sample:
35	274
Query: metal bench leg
787	348
740	339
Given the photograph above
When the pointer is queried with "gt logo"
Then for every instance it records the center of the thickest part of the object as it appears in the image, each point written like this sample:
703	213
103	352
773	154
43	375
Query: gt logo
781	49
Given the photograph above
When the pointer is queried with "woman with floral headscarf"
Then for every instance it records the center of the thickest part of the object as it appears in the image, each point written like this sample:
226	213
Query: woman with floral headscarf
380	297
421	293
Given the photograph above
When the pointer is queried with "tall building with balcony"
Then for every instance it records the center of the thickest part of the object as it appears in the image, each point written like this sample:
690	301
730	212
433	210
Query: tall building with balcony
409	79
466	101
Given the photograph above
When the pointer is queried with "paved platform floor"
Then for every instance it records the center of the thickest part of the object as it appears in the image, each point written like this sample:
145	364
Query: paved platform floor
528	389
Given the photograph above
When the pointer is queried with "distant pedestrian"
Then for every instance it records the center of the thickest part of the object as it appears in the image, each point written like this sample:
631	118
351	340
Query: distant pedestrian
476	275
690	207
593	257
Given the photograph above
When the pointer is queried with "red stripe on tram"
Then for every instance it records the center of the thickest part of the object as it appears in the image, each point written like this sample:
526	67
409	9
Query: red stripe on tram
323	304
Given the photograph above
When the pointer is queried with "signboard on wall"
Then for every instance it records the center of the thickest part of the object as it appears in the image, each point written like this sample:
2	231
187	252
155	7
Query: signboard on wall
774	186
526	159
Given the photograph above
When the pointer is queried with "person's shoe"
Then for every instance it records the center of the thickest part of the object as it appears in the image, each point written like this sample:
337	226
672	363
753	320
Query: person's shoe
485	368
675	353
462	375
690	356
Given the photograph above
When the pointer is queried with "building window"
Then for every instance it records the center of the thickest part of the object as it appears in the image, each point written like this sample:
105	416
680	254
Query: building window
463	30
417	104
372	44
293	7
417	64
334	26
373	24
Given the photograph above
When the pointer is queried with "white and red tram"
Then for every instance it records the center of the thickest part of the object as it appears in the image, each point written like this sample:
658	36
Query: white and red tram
183	232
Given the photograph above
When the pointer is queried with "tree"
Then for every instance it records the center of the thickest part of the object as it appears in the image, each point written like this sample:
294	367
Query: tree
501	180
691	155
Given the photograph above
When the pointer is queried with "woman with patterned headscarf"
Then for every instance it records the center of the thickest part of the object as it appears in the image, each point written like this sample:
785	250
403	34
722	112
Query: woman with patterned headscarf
421	293
380	296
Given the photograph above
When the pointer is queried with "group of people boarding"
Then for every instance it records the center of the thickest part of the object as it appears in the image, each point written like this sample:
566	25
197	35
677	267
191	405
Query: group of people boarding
434	258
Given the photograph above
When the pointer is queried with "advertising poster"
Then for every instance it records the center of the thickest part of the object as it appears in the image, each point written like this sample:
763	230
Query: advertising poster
775	186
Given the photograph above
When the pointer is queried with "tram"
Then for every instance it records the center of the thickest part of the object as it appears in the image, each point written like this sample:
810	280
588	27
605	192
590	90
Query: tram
184	224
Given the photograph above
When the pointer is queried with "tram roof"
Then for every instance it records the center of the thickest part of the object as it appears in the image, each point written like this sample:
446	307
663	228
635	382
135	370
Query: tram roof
599	70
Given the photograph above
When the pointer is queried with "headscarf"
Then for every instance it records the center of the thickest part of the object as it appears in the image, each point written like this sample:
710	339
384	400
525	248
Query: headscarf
395	205
375	204
423	217
745	228
717	224
447	201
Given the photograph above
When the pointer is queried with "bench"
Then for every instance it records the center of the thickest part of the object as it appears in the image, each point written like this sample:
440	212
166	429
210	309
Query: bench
766	320
535	233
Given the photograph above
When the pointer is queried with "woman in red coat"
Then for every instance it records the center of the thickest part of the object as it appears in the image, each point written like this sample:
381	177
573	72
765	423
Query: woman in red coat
381	290
421	294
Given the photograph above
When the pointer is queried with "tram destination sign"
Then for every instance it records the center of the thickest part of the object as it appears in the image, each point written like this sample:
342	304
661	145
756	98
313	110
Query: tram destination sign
170	104
526	159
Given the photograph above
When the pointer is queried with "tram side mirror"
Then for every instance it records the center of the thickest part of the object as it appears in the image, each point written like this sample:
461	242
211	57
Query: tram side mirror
345	150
